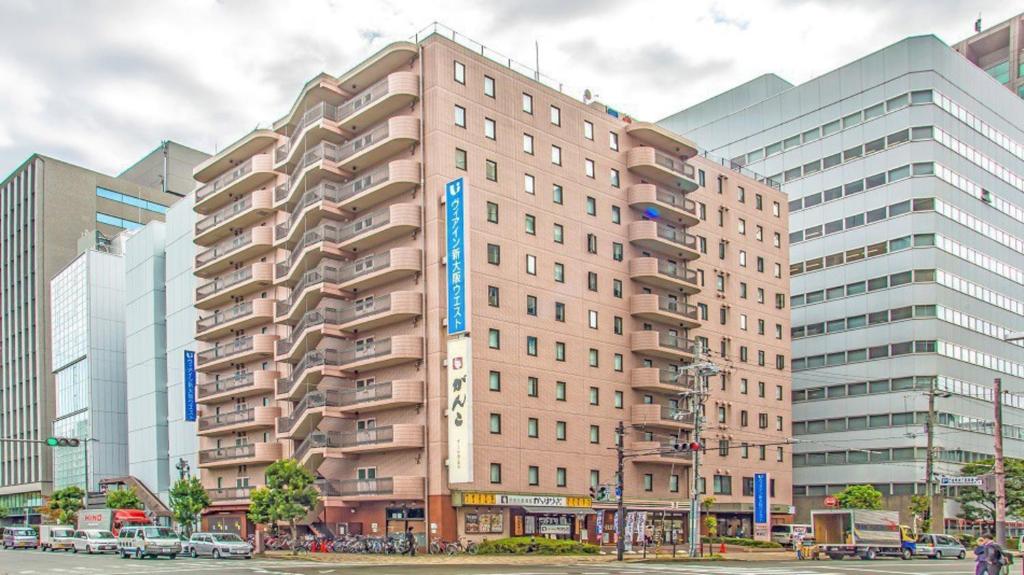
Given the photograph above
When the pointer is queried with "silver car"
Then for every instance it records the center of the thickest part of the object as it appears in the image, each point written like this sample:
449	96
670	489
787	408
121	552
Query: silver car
219	545
95	541
937	546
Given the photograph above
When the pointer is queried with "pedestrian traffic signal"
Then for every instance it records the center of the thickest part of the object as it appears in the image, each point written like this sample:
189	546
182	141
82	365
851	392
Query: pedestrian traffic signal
688	447
62	441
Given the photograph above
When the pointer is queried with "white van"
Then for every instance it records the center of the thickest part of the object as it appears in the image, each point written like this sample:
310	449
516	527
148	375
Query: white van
783	534
54	537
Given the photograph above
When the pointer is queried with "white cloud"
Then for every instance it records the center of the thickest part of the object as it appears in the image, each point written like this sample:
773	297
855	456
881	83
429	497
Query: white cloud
100	83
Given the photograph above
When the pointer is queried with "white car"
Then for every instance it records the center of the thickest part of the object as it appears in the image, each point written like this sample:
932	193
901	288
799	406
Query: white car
95	541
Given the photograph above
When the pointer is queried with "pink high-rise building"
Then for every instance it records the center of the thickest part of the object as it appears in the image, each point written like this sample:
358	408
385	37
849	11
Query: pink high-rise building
600	253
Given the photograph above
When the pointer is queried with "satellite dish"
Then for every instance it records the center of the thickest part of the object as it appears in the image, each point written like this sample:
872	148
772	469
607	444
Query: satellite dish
587	96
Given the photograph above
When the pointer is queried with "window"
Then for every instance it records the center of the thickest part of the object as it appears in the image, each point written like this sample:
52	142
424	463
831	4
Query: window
531	305
531	264
617	288
595	395
617	362
531	345
762	420
460	72
591	206
648	482
460	159
527	103
558	234
741	226
488	86
613	141
528	144
531	225
588	130
529	184
559	273
618	400
591	243
532	387
560	430
616	215
617	251
592	319
556	155
493	296
776	209
494	381
722	485
595	434
496	423
588	168
494	338
560	477
559	351
495	473
533	475
559	311
556	116
490	129
492	170
592	281
460	116
614	178
532	427
494	254
593	358
492	212
673	483
556	194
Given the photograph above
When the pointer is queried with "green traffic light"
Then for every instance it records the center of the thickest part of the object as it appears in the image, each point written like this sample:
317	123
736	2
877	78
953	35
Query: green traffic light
51	441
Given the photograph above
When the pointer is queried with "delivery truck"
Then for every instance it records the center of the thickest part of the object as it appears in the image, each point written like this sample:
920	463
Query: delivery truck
863	533
111	519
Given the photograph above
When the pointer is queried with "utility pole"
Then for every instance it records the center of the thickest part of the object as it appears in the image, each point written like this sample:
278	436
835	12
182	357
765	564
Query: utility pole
1000	470
703	368
930	456
620	516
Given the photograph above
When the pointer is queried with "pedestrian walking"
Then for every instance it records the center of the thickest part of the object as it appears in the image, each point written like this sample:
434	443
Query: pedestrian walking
798	544
410	540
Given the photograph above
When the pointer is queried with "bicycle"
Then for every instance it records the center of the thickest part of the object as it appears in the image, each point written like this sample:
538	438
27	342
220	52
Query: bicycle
457	546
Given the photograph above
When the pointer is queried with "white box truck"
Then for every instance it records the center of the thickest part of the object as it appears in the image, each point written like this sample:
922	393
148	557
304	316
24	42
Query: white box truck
863	533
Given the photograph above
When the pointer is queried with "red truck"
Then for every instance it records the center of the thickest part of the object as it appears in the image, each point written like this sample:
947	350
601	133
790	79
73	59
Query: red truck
111	519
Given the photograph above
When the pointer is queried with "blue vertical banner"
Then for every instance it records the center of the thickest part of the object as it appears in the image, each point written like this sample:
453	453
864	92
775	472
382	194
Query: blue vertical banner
762	507
456	251
190	385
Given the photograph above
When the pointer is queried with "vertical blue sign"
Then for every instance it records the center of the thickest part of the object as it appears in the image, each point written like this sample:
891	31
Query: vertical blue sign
190	385
760	498
455	250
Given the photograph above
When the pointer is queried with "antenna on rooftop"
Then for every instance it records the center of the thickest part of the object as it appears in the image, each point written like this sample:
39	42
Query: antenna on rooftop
977	23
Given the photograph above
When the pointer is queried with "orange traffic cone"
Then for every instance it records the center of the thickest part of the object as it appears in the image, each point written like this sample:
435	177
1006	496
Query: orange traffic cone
721	549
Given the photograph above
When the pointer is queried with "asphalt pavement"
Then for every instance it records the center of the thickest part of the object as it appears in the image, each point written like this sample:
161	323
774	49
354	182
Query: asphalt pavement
28	562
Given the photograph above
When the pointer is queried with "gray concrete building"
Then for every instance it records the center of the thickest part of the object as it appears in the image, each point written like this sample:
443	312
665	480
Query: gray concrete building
46	207
999	50
160	328
905	176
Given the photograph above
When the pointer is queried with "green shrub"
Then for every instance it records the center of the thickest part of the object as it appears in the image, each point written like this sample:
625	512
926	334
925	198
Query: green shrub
742	542
519	545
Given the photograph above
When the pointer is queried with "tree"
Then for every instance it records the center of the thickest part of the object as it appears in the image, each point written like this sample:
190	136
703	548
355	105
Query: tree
288	496
123	499
860	497
188	499
64	504
976	503
920	506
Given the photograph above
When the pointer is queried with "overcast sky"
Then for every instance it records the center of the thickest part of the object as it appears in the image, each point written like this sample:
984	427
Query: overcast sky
101	83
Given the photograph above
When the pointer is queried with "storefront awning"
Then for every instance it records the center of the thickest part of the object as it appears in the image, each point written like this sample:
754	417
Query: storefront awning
559	510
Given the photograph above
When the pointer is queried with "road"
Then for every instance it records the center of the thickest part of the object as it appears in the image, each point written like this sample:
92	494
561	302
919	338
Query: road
26	562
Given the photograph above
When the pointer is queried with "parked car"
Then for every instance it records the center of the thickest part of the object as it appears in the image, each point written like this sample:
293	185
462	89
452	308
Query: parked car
783	534
95	541
937	546
219	545
20	538
148	541
54	537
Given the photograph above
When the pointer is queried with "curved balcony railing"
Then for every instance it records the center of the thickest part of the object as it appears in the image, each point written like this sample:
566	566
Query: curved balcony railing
237	345
239	380
677	200
670	163
677	307
321	111
226	453
677	236
227	418
224	179
677	271
225	213
220	317
336	233
334	316
224	248
334	273
229	493
224	282
666	339
343	439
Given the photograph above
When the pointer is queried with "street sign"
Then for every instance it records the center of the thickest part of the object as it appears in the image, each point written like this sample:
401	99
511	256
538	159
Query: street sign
960	481
831	501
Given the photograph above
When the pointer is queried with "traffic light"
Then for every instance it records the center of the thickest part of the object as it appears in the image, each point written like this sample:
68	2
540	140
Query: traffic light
598	492
688	447
62	441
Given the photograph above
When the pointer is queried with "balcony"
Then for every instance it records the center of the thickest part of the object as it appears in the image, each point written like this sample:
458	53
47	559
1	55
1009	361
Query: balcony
316	124
240	350
663	309
364	356
252	173
660	452
366	398
234	284
333	278
245	454
654	415
662	204
377	489
321	403
662	344
346	239
240	384
244	211
343	161
343	200
229	494
248	419
320	445
245	246
347	319
661	138
664	239
655	166
664	274
660	380
239	316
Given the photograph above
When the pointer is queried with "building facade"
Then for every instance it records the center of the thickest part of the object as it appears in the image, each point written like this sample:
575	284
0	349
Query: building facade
46	207
904	176
87	338
160	327
604	255
999	51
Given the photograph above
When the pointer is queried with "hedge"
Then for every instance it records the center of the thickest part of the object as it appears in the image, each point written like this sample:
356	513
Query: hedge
742	542
519	545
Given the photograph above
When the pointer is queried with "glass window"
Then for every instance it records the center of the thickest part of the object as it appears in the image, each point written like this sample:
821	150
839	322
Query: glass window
495	473
556	194
488	86
460	72
460	159
492	170
527	103
556	155
556	116
528	144
460	116
588	130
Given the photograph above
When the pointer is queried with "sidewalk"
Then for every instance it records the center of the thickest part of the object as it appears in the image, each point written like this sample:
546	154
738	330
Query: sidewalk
732	553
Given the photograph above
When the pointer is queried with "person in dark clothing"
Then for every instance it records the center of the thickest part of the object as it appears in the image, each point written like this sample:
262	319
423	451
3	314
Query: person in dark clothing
410	540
